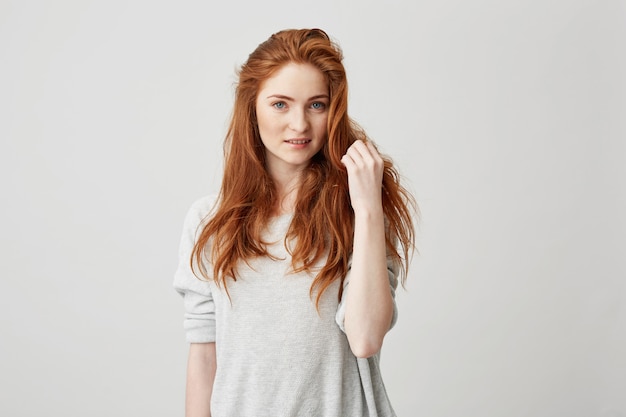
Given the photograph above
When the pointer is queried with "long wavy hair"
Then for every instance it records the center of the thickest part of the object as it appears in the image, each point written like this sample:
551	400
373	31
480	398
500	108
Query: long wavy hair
322	226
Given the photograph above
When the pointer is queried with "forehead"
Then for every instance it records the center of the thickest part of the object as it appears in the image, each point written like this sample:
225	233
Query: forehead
295	80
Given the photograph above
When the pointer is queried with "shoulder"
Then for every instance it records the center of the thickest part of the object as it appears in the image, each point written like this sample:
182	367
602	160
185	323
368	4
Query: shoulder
200	210
203	206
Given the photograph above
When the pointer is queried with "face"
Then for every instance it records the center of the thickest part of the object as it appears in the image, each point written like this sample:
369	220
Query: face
292	111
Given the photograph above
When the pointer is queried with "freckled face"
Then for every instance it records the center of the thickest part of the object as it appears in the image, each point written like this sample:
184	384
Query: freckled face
292	115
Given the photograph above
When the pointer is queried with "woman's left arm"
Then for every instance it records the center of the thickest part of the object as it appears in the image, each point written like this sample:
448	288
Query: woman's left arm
369	302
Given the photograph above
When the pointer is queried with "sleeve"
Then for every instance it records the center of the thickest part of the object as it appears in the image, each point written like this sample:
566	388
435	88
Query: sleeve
199	307
392	272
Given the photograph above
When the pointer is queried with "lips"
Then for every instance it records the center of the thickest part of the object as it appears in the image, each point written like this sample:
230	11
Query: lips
298	141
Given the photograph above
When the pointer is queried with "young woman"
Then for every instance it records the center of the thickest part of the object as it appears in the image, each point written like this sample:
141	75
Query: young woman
289	273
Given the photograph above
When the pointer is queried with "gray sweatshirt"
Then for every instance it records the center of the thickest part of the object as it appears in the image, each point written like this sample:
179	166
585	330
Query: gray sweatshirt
277	356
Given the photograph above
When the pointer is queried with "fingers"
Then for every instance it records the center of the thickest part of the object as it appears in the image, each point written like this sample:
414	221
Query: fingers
365	167
362	154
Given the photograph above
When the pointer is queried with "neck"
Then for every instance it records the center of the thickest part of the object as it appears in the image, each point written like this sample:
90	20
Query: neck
286	191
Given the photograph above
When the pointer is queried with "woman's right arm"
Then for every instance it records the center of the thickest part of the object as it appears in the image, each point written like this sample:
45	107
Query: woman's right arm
201	366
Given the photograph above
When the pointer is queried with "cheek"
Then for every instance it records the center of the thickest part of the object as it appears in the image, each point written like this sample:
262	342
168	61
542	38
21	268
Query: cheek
267	122
262	121
321	126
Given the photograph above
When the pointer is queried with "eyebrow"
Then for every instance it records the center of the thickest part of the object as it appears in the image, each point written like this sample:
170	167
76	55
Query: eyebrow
287	98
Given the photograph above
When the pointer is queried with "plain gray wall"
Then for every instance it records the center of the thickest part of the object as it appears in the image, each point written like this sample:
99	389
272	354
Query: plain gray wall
507	119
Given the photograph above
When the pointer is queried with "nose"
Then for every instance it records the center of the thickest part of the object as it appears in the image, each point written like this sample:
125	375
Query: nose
298	121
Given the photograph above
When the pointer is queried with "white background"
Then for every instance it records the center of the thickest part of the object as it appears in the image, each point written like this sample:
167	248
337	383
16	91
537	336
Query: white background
506	118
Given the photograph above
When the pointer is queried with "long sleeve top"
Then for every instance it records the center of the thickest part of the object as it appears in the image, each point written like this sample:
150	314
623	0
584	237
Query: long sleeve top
277	355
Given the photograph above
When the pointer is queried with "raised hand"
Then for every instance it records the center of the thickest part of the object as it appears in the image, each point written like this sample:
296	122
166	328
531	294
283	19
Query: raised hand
369	301
365	176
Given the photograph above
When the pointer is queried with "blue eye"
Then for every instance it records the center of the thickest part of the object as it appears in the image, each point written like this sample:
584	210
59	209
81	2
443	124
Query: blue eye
318	105
279	105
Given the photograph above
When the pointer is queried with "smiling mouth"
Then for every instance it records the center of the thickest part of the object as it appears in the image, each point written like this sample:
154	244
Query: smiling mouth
298	141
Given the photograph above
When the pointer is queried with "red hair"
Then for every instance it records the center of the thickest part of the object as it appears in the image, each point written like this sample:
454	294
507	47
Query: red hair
323	221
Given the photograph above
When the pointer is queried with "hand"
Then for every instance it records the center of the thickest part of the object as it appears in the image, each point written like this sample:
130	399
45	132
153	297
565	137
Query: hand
365	176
